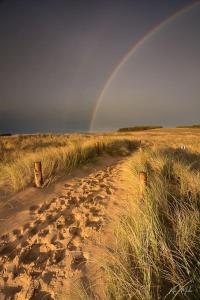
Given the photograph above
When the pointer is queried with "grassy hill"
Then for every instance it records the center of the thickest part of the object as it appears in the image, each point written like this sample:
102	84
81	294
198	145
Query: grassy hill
138	128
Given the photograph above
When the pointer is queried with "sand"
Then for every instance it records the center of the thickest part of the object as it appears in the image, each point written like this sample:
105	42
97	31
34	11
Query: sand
55	251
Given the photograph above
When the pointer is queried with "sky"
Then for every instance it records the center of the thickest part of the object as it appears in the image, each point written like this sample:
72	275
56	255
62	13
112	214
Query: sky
56	58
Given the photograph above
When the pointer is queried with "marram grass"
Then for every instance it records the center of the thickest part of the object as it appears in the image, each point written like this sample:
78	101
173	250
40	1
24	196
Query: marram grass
16	172
157	252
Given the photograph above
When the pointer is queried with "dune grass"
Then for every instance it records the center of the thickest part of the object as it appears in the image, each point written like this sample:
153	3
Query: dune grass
138	128
157	253
58	156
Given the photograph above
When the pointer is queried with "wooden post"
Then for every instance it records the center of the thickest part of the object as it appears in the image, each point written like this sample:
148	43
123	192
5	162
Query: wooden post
140	146
143	182
38	174
98	148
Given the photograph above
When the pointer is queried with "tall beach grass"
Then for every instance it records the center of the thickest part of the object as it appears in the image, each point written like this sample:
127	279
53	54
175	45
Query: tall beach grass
157	253
17	172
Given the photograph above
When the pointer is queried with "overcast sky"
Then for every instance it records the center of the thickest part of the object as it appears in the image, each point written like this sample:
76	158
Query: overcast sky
56	57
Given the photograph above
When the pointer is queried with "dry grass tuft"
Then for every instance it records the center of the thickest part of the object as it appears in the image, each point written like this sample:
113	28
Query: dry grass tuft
157	253
58	154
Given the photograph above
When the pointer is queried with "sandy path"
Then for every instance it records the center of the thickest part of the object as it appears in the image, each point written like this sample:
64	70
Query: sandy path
14	210
47	257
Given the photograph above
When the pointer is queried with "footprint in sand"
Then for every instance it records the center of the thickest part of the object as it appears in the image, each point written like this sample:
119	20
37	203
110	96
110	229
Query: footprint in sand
36	254
33	209
43	232
9	291
109	191
48	276
7	248
59	255
95	211
44	208
54	240
41	295
73	230
78	262
17	232
5	237
94	222
69	219
33	231
71	246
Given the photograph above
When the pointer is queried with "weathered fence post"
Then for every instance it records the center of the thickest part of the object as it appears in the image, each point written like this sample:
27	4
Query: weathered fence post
38	174
143	182
98	148
140	146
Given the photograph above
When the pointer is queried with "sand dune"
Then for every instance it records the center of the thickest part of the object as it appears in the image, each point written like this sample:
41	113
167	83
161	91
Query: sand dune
48	256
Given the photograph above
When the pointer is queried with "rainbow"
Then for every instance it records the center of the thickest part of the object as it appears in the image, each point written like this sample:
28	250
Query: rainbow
132	51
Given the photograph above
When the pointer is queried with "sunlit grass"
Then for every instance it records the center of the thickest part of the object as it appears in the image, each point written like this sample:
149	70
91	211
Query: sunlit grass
157	252
156	255
17	170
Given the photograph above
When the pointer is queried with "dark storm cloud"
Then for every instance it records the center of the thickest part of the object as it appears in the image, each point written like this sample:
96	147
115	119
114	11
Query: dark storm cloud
55	57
